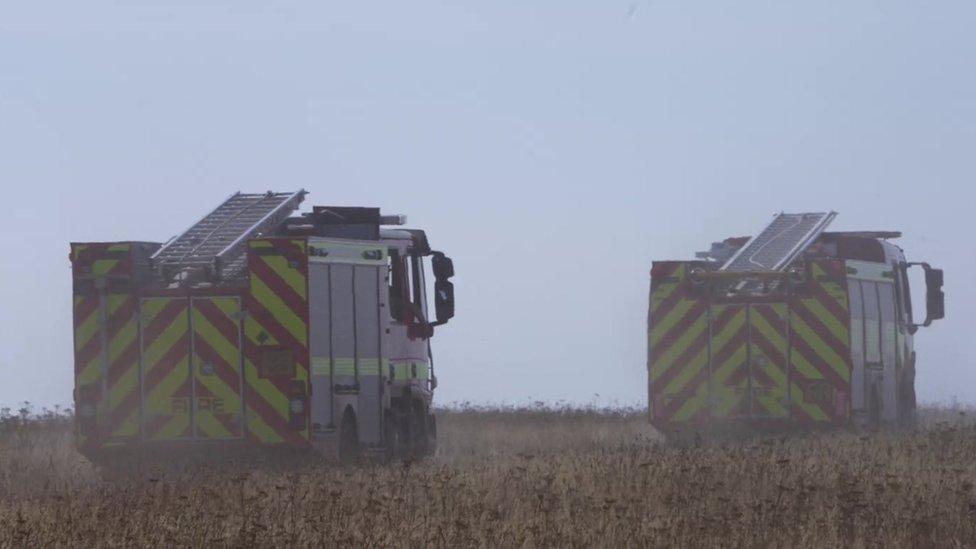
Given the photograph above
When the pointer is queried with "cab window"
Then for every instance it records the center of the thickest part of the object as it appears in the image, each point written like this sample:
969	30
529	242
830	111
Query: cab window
408	303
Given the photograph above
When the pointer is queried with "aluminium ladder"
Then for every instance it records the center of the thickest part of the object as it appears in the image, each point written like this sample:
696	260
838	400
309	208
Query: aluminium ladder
780	242
215	245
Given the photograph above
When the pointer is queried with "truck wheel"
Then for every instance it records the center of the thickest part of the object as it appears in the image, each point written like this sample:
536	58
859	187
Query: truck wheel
874	408
348	439
392	438
420	432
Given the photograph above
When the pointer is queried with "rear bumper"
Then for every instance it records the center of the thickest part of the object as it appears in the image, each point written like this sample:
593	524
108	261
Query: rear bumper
105	452
739	427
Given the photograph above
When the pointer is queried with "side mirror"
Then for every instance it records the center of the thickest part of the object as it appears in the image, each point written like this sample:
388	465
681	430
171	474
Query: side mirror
443	301
443	268
934	296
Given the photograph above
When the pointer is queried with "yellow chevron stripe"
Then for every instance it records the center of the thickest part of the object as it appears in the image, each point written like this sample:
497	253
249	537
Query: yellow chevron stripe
158	348
688	372
127	383
725	335
735	361
253	330
260	429
771	405
769	331
91	371
728	397
812	410
129	427
834	325
282	313
280	266
174	428
772	402
275	398
823	350
230	396
663	363
122	339
256	425
664	290
660	327
803	367
693	405
210	426
88	328
158	400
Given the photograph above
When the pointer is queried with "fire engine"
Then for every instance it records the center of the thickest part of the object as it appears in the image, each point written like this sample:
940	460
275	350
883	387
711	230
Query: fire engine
796	327
259	327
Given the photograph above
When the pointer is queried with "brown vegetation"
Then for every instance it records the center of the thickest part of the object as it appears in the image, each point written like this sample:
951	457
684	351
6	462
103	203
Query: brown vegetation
516	478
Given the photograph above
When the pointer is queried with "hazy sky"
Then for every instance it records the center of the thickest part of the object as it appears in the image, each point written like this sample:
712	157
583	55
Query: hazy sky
554	148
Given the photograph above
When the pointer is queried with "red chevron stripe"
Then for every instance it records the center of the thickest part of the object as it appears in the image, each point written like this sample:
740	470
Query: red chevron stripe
121	267
831	304
155	425
769	348
127	359
801	415
680	363
289	248
267	322
84	309
155	373
740	338
219	319
85	355
775	355
295	302
677	402
801	347
665	307
679	328
225	419
802	384
170	312
722	320
94	345
122	412
820	329
772	318
256	402
123	315
227	373
153	428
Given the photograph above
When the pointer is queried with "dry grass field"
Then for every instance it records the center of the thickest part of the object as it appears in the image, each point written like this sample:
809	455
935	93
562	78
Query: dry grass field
516	478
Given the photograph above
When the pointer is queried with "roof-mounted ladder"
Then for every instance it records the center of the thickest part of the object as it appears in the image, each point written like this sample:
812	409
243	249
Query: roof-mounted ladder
782	241
215	245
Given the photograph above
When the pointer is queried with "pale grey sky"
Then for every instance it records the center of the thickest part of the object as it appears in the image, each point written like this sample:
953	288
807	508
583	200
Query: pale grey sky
553	148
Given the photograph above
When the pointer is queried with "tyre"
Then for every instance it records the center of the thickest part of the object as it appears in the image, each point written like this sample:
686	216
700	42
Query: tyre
393	438
349	452
420	432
